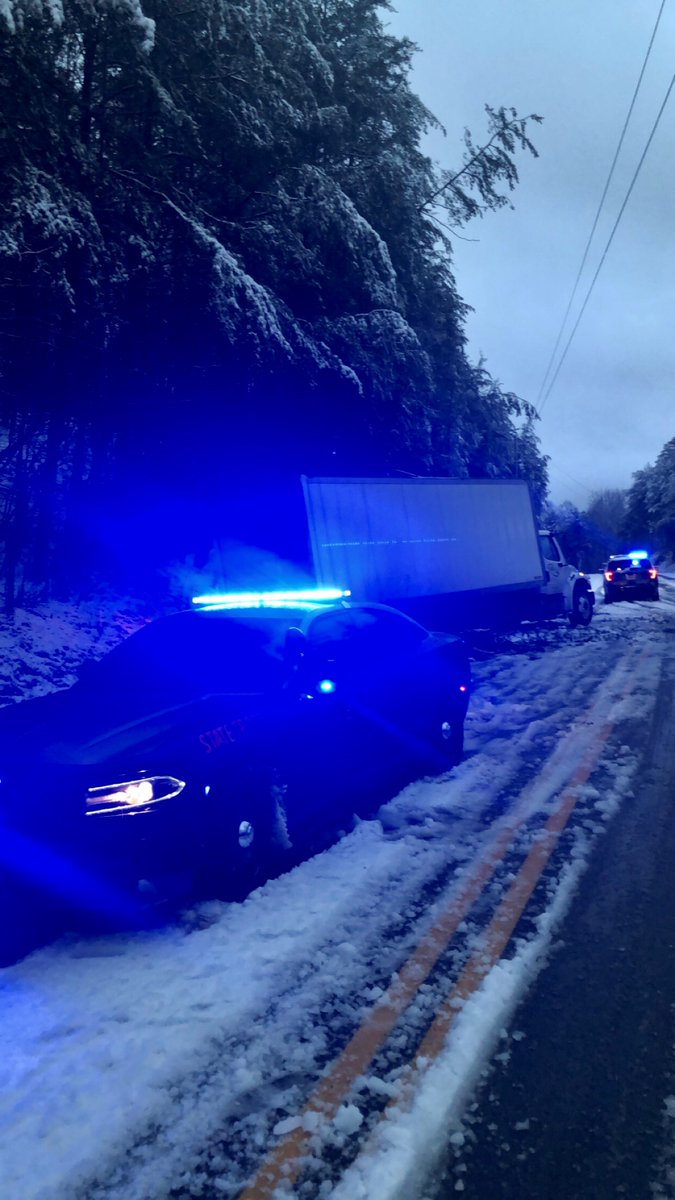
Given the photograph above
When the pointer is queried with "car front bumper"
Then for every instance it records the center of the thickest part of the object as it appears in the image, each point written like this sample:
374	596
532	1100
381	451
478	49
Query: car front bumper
105	865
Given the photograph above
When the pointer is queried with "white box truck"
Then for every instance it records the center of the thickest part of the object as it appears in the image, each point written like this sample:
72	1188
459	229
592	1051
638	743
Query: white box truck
459	552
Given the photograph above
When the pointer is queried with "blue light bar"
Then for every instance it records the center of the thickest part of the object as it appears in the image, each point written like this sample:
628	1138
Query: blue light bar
302	597
237	606
638	554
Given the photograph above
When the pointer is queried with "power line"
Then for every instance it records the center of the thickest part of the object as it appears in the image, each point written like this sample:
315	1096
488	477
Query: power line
609	241
560	471
600	207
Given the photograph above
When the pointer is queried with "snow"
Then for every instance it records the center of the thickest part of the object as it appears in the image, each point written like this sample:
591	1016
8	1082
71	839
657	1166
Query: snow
12	11
124	1058
335	218
42	648
145	25
7	14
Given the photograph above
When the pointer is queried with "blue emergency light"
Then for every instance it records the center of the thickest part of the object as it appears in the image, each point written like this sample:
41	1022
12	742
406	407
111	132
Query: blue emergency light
294	598
636	554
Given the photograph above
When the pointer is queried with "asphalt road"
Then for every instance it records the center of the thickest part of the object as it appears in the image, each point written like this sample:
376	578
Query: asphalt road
573	1105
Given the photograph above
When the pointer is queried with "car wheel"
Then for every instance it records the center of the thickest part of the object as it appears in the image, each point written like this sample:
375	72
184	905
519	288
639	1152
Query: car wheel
444	741
608	597
582	607
452	740
18	932
654	595
248	836
14	945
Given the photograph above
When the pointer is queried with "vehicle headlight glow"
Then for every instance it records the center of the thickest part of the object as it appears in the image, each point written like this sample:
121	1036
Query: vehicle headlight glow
132	795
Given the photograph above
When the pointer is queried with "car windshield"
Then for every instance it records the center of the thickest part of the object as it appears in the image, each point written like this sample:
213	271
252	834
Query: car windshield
630	564
190	655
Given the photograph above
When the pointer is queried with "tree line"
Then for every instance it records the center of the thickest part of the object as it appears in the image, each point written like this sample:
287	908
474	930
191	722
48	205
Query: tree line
617	520
226	261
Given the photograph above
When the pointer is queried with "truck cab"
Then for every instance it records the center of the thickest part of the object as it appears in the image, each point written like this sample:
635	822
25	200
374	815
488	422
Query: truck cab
565	590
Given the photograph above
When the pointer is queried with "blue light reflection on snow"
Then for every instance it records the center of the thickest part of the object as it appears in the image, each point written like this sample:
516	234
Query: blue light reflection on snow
35	864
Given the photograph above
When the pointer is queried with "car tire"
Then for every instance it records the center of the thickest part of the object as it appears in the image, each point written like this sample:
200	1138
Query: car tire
12	947
608	597
452	741
18	934
248	835
582	608
444	740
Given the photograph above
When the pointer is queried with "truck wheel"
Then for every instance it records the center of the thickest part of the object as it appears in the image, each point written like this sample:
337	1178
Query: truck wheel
582	608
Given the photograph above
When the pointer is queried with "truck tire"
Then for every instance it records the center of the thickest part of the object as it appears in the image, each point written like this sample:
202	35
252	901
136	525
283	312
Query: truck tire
582	607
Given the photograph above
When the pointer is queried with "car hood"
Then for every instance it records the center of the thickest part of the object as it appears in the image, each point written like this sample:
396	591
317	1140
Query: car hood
75	728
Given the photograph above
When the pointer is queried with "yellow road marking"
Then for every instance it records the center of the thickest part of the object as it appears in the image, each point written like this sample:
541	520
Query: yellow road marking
284	1163
511	907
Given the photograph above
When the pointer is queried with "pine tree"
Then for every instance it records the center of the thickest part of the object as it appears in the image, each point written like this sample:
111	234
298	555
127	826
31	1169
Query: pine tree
222	262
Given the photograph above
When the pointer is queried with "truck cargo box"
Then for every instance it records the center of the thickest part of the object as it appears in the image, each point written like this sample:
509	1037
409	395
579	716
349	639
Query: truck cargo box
392	539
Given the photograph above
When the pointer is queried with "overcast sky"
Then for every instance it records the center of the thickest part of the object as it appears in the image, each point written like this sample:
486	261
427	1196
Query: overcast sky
576	63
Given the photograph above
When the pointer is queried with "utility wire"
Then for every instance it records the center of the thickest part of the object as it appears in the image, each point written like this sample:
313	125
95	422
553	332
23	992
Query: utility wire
560	471
609	242
600	207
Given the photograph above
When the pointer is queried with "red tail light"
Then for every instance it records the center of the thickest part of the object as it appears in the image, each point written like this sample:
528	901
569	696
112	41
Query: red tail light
653	573
609	575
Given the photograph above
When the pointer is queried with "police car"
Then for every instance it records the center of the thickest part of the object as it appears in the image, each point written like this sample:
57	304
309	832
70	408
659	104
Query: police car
630	576
211	745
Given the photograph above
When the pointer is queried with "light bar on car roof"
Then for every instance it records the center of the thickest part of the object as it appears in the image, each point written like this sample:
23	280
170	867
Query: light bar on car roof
302	597
638	554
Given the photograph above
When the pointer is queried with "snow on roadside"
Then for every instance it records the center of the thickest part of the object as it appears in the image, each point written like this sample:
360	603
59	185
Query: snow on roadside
154	1040
41	648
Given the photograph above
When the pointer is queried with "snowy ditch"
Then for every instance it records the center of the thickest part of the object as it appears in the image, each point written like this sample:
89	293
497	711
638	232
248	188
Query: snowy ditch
139	1066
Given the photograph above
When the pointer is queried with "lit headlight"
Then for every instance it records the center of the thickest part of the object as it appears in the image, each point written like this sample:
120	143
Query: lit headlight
132	795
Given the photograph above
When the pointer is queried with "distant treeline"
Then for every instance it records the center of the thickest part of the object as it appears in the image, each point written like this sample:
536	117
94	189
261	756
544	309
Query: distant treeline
640	517
224	261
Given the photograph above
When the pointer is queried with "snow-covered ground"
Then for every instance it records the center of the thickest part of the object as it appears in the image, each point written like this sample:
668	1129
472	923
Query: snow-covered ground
134	1067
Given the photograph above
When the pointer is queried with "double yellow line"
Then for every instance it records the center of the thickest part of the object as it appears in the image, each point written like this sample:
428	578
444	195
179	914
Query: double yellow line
284	1163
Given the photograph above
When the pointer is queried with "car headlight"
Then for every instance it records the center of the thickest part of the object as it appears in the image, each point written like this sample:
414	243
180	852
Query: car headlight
132	795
